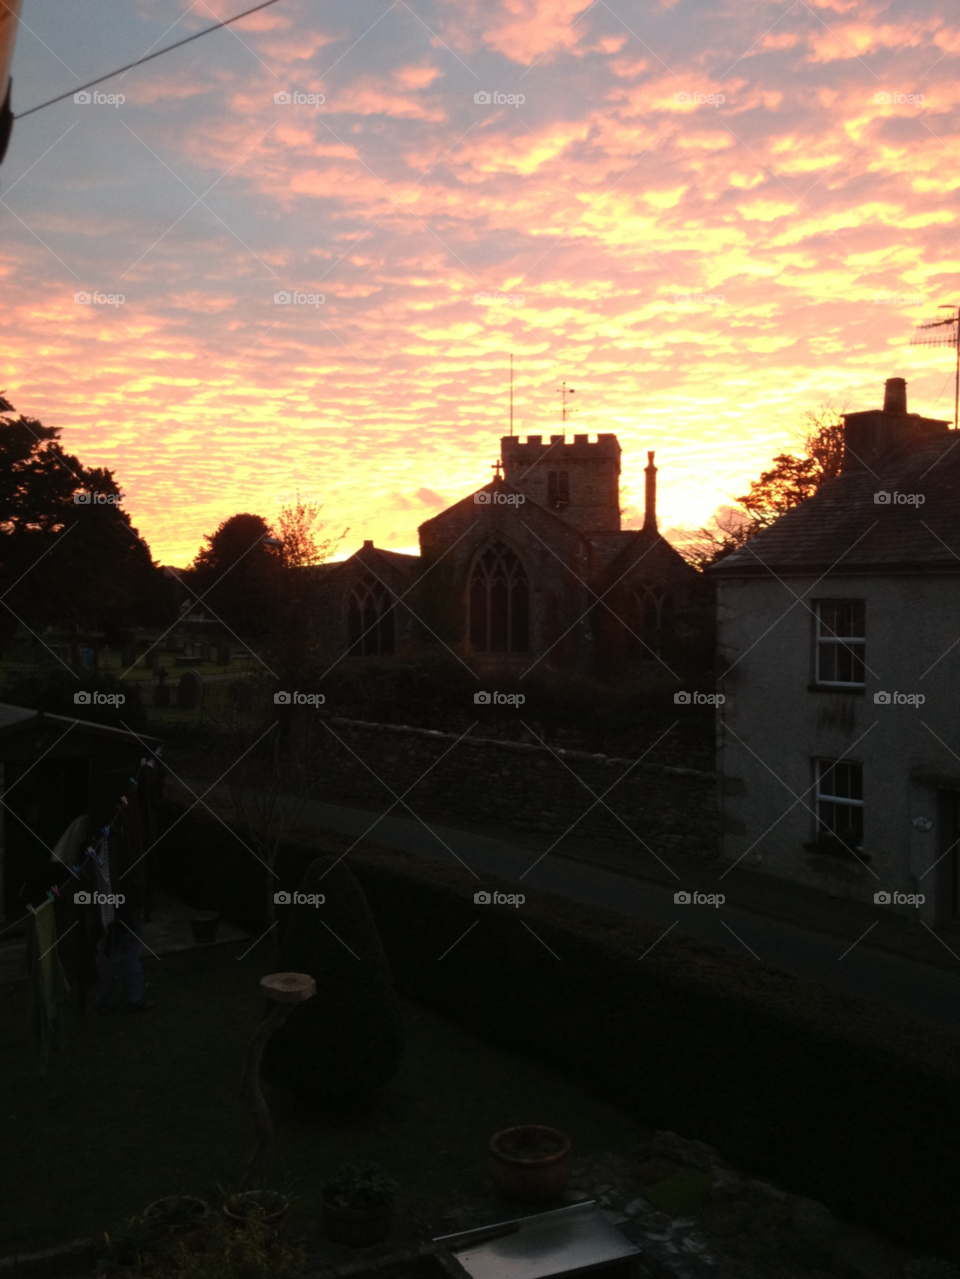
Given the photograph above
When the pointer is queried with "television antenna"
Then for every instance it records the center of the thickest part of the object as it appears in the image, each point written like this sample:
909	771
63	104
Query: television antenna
944	332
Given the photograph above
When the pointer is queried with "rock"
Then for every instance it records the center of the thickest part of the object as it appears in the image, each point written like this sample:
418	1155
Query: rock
635	1206
865	1256
726	1184
615	1218
692	1154
812	1217
574	1196
603	1189
761	1192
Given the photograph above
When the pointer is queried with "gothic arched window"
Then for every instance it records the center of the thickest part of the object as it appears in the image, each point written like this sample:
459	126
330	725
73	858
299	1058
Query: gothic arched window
652	609
370	619
499	602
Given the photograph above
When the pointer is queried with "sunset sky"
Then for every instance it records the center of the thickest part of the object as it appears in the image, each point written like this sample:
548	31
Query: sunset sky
792	168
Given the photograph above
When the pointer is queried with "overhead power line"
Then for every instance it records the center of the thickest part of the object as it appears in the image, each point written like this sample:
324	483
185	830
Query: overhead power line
140	61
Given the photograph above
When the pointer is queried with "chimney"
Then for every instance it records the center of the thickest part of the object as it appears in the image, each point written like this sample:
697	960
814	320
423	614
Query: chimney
872	433
895	395
650	507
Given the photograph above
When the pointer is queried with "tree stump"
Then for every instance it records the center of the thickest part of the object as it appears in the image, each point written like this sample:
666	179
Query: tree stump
286	990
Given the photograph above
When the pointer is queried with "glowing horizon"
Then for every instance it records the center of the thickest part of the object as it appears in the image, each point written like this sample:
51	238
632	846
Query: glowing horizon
706	222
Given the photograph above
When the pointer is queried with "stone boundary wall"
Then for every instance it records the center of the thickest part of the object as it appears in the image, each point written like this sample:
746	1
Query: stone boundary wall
522	785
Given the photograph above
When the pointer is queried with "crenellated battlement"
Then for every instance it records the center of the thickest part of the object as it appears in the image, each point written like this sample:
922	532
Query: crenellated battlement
577	479
580	446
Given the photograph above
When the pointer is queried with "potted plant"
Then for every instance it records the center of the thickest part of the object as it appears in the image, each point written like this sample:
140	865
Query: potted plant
180	1219
267	1206
357	1204
204	925
129	1251
530	1162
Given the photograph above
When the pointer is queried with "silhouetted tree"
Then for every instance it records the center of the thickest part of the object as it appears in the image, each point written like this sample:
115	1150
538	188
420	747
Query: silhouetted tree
790	481
69	554
237	575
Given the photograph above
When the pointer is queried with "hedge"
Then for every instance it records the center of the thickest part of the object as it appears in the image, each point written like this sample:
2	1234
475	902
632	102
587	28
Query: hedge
843	1101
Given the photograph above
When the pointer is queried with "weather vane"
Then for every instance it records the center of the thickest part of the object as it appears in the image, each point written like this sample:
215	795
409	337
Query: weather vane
564	392
948	335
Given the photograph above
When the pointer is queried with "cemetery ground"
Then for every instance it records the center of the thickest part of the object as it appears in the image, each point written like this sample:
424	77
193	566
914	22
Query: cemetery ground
138	1107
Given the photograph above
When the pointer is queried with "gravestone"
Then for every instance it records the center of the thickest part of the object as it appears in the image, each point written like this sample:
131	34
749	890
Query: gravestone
190	690
152	660
128	657
205	652
223	654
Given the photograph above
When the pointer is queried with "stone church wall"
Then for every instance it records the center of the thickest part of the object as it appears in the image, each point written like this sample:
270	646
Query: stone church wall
514	784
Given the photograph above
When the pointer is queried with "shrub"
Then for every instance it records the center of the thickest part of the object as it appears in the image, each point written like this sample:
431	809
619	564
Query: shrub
347	1040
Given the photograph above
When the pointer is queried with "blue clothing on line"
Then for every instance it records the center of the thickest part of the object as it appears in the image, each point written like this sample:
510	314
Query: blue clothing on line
122	955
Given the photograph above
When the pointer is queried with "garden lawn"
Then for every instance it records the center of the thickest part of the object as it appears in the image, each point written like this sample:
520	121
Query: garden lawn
137	1107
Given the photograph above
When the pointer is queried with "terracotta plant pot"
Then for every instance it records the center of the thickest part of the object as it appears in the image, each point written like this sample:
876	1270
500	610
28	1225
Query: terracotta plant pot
190	1234
204	925
356	1227
521	1172
240	1207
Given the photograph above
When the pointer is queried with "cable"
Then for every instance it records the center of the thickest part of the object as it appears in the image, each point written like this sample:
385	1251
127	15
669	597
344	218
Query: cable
140	61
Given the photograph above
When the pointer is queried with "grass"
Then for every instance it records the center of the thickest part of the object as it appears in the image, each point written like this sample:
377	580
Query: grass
138	1107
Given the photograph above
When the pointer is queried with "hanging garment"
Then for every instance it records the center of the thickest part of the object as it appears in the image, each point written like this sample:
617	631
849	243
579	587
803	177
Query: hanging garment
49	989
101	861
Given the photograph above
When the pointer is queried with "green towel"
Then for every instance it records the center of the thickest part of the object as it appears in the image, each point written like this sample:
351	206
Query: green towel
49	988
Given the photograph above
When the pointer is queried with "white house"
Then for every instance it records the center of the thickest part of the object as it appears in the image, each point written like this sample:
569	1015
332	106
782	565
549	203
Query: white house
839	640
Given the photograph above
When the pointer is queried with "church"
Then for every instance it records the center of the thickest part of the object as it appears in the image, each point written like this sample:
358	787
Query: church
530	572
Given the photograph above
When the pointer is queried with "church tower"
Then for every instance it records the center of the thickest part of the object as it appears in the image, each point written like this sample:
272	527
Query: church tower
578	480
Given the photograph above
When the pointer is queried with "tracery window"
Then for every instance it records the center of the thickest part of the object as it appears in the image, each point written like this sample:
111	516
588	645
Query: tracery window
499	602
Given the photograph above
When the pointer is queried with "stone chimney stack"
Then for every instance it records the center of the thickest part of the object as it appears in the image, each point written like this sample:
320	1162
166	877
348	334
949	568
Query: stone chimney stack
895	395
650	497
871	433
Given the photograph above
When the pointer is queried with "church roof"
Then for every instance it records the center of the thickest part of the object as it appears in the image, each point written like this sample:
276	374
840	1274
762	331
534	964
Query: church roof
901	514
